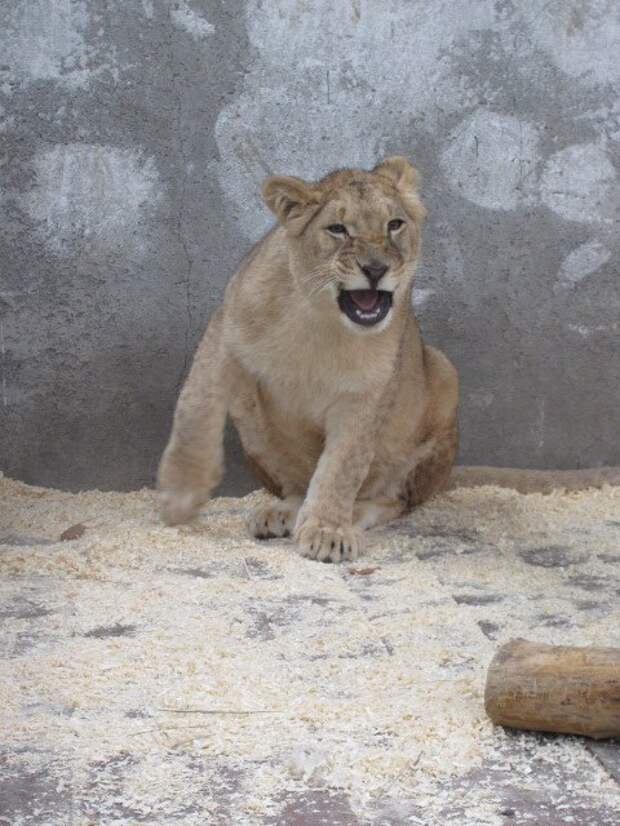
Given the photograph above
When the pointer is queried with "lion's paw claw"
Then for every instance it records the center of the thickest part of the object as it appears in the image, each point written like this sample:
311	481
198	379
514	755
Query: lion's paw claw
326	543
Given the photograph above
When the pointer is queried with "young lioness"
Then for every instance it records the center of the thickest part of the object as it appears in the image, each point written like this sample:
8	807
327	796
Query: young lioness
343	412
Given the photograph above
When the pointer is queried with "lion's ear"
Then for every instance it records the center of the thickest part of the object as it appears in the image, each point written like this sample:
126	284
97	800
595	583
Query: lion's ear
400	172
404	176
287	197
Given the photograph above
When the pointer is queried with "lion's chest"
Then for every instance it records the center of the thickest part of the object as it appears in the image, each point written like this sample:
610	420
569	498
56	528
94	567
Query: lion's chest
303	387
302	375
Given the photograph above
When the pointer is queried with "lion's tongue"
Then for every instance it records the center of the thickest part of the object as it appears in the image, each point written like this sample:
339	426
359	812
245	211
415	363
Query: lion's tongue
365	299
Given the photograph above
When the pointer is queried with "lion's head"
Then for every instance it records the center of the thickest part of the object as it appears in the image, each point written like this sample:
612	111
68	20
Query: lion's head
353	238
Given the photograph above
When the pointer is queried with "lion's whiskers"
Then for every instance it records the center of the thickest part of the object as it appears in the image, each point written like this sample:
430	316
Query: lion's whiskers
322	276
332	279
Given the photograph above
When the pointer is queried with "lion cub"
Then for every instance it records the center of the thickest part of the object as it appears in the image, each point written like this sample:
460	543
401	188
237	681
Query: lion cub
345	415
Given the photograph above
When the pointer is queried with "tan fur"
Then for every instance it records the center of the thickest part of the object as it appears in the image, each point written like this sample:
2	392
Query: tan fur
349	425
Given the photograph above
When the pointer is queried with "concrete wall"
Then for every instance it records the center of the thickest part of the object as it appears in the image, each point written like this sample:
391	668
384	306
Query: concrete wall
134	135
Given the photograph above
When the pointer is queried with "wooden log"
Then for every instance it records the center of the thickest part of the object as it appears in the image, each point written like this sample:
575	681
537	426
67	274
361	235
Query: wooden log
555	688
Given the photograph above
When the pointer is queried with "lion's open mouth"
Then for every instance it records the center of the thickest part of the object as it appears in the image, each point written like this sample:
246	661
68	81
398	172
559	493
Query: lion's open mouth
365	307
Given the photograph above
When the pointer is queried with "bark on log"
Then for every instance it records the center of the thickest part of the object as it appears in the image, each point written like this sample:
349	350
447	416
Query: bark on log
555	688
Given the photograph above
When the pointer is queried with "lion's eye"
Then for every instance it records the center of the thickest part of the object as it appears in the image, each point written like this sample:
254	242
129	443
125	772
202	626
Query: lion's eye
394	224
337	229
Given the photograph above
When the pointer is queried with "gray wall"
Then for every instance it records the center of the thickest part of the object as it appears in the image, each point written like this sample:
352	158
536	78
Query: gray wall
134	137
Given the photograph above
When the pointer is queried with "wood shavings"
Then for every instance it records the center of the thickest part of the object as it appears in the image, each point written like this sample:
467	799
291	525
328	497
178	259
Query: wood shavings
294	677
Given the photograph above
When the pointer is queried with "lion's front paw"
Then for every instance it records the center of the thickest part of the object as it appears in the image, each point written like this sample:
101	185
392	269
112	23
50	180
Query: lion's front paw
272	521
184	486
177	507
327	543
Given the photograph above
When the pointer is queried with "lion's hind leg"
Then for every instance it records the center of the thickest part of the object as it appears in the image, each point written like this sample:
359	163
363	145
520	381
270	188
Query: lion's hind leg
431	473
429	476
437	451
369	513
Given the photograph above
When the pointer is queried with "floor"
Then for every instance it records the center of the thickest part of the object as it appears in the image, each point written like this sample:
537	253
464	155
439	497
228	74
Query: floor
195	676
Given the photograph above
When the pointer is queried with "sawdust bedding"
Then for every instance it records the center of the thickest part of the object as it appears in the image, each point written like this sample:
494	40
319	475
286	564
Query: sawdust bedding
194	675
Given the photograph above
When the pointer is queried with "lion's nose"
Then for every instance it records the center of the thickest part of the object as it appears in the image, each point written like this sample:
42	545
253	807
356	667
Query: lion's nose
374	271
